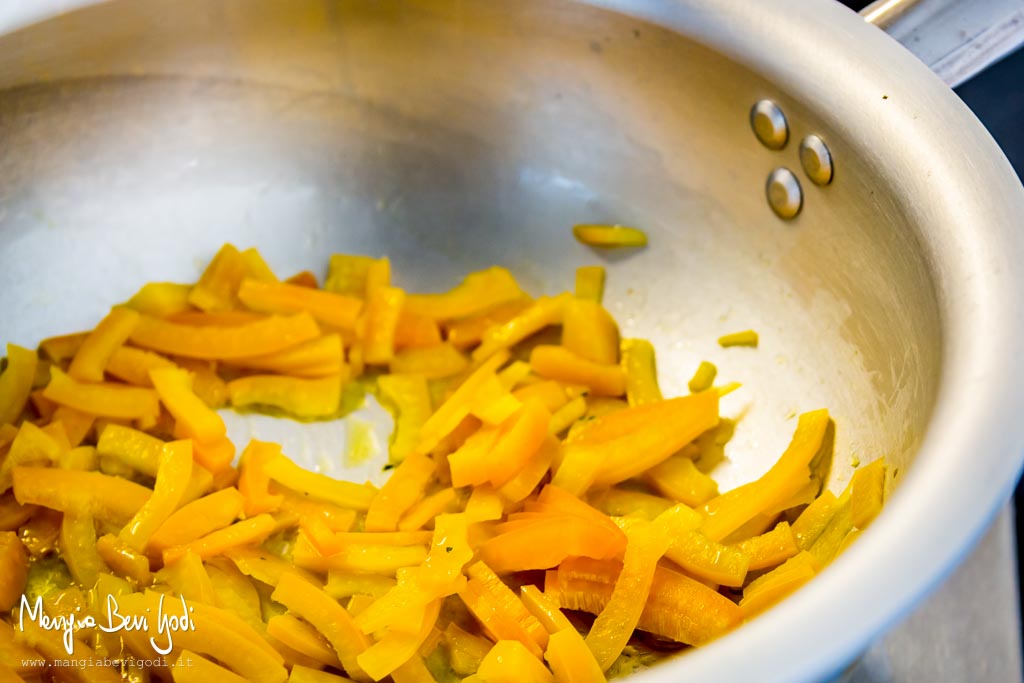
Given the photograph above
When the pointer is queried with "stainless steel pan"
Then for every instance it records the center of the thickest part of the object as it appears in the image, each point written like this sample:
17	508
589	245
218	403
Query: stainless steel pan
137	136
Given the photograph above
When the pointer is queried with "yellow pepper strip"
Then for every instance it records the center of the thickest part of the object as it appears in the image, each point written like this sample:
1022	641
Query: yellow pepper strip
323	355
328	617
361	558
563	418
41	533
706	559
609	236
21	658
82	660
138	450
346	274
424	512
495	618
604	457
678	607
571	660
813	520
305	674
494	403
456	407
590	283
405	487
703	378
188	577
744	338
641	372
590	332
467	332
335	310
194	417
623	502
59	350
679	479
398	646
216	318
342	585
78	548
468	464
13	569
509	661
557	362
235	592
320	486
518	442
477	293
191	668
216	342
308	398
217	289
769	588
133	365
433	362
171	479
77	424
252	530
31	446
383	309
549	392
214	456
123	560
546	610
408	397
303	638
104	399
110	499
646	543
264	567
378	274
530	476
729	511
16	382
415	331
91	359
771	548
254	482
160	299
413	671
43	406
509	604
542	313
336	517
828	543
867	488
484	504
465	650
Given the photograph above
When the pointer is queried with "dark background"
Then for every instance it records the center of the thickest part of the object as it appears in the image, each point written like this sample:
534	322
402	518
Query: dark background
997	98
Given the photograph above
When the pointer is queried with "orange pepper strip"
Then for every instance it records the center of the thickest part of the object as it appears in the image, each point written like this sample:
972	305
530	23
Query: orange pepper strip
309	398
44	406
16	382
678	607
507	656
867	488
517	445
558	362
524	483
485	504
124	560
590	283
405	487
383	309
449	414
544	312
132	365
467	332
493	617
25	661
679	479
328	617
433	362
545	543
323	355
217	289
730	510
191	668
571	660
398	646
303	279
91	359
31	446
254	482
424	512
110	499
347	274
13	569
771	548
195	418
335	310
215	318
171	479
549	392
252	530
303	638
509	603
590	332
319	486
216	342
160	299
416	331
106	400
477	292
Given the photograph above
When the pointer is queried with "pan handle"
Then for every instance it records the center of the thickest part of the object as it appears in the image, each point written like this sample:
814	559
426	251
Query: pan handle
957	39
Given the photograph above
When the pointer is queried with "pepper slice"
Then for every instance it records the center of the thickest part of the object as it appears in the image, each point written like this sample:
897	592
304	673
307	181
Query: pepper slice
216	342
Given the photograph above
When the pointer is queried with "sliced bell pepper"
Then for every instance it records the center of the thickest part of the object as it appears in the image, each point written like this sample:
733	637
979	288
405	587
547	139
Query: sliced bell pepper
423	513
398	646
547	611
110	499
76	424
465	650
346	274
509	661
415	331
519	440
609	236
769	588
328	617
103	399
477	292
730	510
12	513
215	342
307	398
138	450
94	353
402	490
703	378
571	660
303	278
467	332
590	332
13	569
187	576
706	559
194	417
744	338
367	559
590	283
192	668
377	329
314	358
160	299
217	289
302	637
409	399
771	548
31	446
639	363
235	592
532	473
813	520
171	479
433	362
679	479
215	318
124	560
502	614
252	530
625	502
828	543
867	488
82	660
16	382
254	482
566	416
549	392
341	584
543	312
44	407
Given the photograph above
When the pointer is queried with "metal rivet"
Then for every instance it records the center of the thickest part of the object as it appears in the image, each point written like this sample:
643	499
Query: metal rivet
784	193
769	124
816	160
